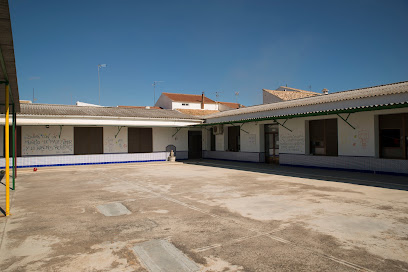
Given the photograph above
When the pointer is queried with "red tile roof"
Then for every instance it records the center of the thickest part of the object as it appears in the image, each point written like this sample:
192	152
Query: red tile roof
191	98
232	105
139	107
291	93
197	112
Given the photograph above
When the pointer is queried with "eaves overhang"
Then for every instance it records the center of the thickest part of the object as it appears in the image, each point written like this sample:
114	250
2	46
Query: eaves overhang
102	121
314	113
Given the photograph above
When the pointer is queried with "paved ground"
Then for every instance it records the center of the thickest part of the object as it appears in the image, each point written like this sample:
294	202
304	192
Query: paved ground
225	217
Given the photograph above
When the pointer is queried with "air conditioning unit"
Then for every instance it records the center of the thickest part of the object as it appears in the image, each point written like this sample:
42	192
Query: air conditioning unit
218	129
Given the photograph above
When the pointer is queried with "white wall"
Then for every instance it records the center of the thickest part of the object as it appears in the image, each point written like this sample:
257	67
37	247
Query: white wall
292	142
210	106
1	141
221	140
179	105
269	98
250	138
196	106
162	137
115	140
360	141
164	102
39	140
206	138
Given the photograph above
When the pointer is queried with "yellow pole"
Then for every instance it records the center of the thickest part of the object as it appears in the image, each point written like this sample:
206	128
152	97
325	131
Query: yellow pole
7	155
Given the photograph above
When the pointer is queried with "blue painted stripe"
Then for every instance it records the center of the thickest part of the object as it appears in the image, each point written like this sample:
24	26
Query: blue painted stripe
87	163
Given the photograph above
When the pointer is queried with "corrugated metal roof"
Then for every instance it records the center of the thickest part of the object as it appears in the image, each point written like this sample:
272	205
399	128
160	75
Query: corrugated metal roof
232	105
69	110
321	112
394	88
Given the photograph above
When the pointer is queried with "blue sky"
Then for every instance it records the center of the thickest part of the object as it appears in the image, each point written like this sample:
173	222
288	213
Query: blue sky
212	46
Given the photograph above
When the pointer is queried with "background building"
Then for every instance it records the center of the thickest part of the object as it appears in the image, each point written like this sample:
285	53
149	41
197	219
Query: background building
284	94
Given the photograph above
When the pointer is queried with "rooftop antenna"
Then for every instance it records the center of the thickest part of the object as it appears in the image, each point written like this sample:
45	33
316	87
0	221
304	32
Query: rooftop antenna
236	96
217	95
99	81
34	99
154	90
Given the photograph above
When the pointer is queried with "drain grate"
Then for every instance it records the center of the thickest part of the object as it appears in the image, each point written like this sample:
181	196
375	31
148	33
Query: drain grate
162	256
113	209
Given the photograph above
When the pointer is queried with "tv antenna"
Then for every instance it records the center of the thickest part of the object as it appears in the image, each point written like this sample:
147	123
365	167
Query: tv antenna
236	96
34	99
154	90
217	95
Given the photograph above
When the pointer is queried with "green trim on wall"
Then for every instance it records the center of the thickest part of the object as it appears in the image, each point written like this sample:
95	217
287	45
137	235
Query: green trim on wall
329	112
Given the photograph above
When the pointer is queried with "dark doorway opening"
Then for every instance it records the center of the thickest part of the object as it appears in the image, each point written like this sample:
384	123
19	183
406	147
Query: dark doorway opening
140	140
88	140
194	145
272	143
234	139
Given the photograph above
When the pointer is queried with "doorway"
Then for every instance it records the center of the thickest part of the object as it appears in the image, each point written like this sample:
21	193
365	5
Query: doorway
194	145
272	143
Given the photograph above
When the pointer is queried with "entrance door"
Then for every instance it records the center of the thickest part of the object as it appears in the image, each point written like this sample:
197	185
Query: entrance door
272	143
194	145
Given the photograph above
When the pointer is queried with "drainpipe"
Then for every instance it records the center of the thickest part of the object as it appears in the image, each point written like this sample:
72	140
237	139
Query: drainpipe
202	100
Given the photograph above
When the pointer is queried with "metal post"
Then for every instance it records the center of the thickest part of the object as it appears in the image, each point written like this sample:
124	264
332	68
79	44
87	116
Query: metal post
14	148
7	150
99	84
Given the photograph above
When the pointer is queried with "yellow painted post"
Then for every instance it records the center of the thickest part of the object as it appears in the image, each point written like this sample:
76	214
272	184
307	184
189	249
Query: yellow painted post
7	151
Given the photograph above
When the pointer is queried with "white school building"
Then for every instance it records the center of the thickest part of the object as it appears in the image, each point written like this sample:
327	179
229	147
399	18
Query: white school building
363	129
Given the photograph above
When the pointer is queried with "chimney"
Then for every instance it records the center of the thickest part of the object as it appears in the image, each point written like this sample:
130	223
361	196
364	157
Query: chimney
325	91
202	101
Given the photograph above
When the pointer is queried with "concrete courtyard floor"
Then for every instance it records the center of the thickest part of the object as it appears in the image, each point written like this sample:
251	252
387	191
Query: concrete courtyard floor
224	216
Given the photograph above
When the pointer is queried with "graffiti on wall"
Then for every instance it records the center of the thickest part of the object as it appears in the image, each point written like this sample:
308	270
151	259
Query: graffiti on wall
115	140
361	137
46	143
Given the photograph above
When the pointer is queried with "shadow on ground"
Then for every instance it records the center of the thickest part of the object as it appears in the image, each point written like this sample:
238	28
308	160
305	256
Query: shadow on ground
351	177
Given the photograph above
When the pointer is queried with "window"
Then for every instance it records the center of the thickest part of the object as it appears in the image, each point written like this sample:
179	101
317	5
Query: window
212	140
140	140
234	139
393	136
88	140
184	104
323	137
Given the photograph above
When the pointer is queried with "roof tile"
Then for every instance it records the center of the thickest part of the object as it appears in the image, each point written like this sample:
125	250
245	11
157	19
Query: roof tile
70	110
192	98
